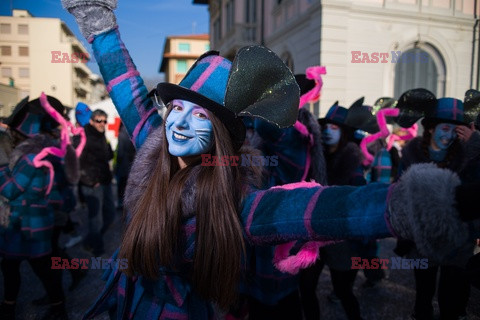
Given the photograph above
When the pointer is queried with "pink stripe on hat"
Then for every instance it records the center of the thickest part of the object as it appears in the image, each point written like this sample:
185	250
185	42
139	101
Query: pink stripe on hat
216	60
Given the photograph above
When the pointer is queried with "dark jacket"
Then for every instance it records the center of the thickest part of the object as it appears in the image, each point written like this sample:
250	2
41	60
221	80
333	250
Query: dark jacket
125	153
94	161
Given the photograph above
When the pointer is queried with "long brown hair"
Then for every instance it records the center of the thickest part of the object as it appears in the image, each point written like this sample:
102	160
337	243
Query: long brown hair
152	238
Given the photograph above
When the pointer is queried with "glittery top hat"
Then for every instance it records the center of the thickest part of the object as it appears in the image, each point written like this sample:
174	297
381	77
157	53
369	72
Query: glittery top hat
256	84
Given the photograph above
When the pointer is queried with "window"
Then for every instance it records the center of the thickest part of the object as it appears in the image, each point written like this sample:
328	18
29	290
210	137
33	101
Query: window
6	72
5	28
420	68
24	72
23	29
230	15
23	51
184	47
181	66
6	50
251	11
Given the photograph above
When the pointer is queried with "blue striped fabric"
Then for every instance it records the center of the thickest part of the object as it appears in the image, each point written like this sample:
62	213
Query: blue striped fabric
381	168
125	86
29	232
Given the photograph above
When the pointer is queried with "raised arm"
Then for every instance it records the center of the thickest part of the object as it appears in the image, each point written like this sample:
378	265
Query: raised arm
97	23
421	206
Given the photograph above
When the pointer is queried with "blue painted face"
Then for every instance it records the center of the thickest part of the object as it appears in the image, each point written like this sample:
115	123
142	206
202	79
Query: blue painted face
444	135
188	129
331	134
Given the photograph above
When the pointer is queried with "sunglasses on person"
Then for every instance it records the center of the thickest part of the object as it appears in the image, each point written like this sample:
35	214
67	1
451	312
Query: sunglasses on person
100	121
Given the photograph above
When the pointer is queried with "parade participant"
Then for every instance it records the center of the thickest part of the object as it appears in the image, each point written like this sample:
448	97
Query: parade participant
272	290
188	224
441	145
27	185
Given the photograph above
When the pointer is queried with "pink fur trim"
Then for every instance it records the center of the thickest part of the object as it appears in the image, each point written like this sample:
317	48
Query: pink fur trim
313	73
383	133
306	257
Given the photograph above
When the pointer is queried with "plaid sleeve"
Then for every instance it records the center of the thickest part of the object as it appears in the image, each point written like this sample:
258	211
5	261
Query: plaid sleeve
309	211
125	86
14	182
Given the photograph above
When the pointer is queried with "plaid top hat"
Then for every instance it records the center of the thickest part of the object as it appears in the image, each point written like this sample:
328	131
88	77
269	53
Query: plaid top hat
256	84
30	118
336	115
449	110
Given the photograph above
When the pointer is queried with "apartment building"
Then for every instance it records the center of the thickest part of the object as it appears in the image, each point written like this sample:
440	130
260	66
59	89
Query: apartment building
180	53
424	43
42	54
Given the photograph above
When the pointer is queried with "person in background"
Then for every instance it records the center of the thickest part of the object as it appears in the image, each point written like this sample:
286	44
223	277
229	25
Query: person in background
28	231
96	182
344	167
125	153
442	145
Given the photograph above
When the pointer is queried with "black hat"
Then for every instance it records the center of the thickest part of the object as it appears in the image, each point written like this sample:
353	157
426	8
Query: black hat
30	118
257	84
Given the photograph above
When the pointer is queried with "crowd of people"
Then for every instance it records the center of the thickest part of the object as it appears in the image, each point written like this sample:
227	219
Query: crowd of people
239	241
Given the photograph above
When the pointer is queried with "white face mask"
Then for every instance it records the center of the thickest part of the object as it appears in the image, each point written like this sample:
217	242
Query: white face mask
331	134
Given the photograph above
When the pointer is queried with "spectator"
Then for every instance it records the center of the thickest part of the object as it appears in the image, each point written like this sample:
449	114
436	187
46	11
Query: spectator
95	182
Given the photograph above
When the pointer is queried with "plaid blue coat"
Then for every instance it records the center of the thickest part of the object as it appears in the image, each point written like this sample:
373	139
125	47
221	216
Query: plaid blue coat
29	232
302	211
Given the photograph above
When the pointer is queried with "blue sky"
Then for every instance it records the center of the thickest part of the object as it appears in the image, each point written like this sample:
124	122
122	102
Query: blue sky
143	24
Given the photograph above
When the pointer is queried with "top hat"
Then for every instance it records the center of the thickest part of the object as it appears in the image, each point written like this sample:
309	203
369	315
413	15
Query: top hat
304	83
336	115
447	110
29	117
256	84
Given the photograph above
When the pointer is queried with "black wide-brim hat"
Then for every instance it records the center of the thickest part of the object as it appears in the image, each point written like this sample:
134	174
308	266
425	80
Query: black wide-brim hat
29	117
256	84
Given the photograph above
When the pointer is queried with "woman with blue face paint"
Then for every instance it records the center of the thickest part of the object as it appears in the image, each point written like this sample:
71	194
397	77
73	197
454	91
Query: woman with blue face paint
344	167
189	130
440	145
189	228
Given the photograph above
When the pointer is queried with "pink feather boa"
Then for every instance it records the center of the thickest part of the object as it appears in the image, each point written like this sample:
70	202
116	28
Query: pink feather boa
384	133
67	129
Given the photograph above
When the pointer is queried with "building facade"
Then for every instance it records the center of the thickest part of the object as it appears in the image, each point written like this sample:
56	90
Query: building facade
370	48
55	64
180	53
